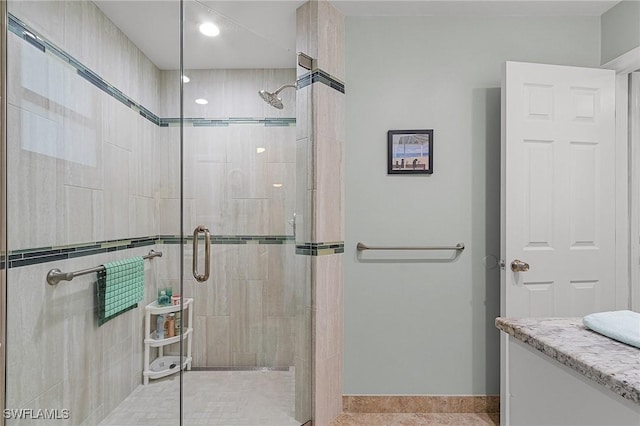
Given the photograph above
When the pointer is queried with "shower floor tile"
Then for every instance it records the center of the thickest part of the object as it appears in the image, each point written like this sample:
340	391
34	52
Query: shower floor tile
215	398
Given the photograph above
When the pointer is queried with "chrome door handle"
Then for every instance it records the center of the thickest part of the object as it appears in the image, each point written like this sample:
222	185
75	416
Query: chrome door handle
207	253
519	266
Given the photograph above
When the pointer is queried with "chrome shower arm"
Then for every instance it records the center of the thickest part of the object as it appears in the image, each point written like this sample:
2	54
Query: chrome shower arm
284	87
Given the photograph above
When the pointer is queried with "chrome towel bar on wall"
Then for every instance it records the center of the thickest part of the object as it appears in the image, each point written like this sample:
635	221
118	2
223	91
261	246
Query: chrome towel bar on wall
457	247
56	275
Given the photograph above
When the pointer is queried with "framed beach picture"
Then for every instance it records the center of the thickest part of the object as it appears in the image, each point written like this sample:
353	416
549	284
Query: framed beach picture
410	152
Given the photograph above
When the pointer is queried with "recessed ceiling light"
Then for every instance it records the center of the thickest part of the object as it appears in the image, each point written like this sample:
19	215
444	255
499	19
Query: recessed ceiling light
260	150
209	29
185	79
277	185
202	101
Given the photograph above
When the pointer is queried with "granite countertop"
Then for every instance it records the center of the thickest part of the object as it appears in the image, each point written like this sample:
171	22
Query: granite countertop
612	364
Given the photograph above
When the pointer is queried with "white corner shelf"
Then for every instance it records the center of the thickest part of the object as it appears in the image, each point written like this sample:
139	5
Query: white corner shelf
165	365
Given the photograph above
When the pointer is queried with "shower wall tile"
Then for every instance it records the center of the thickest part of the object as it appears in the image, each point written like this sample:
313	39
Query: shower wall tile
321	32
276	292
52	398
65	322
143	168
218	287
241	93
38	341
218	341
277	350
82	40
116	197
142	221
249	261
330	40
212	203
272	79
307	31
169	162
281	198
242	359
199	345
207	144
168	213
206	84
328	197
119	123
33	194
280	143
250	216
97	203
248	167
169	93
329	112
304	112
78	215
304	396
246	317
115	175
304	182
83	168
88	170
48	18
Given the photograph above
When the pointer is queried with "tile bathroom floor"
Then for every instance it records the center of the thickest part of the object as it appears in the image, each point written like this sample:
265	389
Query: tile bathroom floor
421	419
238	398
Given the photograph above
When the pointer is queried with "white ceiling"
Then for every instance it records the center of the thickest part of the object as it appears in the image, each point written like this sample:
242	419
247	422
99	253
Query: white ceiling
261	34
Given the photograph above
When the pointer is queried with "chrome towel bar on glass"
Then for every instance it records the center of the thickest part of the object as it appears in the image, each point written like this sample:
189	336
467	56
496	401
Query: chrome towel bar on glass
457	247
56	275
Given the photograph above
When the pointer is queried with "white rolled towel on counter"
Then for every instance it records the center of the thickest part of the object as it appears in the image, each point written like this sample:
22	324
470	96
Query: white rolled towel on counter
623	326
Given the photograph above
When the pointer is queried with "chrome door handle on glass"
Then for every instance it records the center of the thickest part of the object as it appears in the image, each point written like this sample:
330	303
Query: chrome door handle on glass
207	253
519	266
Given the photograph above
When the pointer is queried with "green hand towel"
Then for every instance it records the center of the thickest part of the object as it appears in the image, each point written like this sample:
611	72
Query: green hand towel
120	287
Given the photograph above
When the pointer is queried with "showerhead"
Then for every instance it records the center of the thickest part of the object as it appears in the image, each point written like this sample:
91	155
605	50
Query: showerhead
272	98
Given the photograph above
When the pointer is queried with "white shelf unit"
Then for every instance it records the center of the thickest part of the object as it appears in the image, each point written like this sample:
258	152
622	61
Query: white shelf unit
164	365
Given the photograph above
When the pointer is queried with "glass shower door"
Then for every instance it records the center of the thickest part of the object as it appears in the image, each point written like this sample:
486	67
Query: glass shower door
86	176
116	151
242	172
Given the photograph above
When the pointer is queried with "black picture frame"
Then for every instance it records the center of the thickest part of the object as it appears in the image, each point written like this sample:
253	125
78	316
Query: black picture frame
410	152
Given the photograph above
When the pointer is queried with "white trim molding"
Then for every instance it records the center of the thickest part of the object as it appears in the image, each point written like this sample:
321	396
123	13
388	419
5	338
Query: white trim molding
625	63
627	180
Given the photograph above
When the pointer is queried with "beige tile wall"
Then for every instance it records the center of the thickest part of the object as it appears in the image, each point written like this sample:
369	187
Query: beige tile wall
57	356
320	139
87	168
245	315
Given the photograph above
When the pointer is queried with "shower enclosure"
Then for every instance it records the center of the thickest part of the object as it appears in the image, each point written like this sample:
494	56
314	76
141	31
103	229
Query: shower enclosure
128	129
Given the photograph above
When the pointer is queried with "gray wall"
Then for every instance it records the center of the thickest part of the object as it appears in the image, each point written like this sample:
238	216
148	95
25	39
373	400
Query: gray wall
620	30
414	325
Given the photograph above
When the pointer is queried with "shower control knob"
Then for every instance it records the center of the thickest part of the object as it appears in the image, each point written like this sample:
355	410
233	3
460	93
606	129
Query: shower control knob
519	266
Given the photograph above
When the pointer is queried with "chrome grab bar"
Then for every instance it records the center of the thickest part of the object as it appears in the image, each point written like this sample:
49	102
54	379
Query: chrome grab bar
207	253
457	247
56	275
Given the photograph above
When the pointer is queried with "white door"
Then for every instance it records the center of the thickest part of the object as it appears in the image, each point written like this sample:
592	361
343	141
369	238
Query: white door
558	190
558	195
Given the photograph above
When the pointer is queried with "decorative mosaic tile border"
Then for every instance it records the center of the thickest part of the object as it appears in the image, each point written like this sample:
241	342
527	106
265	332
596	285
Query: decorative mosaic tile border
421	403
18	258
225	122
320	249
320	76
26	33
229	239
35	256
